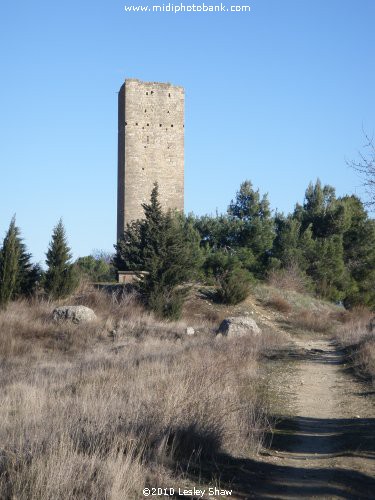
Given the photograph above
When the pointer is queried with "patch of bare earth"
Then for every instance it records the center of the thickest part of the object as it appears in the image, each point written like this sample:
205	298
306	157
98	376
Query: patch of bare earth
323	443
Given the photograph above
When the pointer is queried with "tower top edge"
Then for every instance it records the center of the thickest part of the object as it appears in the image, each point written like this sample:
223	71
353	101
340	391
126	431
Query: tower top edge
151	84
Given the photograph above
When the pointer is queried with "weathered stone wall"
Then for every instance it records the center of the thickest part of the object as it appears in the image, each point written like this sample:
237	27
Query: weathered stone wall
150	147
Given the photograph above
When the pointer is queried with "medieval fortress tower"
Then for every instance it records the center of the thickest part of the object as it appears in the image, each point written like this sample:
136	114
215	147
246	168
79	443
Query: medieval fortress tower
150	148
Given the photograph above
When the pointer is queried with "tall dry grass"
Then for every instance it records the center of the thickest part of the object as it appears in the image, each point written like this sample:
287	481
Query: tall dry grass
89	413
319	321
279	303
359	341
289	278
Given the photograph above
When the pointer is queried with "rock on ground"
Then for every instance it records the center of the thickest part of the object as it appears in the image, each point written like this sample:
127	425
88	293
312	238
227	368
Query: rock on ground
76	314
238	326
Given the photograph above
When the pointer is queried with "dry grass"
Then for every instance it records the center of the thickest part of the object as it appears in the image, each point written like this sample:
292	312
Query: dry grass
319	321
87	415
289	278
359	341
279	303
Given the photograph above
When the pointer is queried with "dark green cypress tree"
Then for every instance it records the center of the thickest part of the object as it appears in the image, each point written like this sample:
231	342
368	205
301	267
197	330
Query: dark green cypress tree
29	274
19	276
60	278
166	246
172	257
9	264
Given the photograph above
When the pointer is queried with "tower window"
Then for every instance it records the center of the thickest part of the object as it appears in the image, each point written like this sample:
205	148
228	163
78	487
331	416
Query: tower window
148	124
146	93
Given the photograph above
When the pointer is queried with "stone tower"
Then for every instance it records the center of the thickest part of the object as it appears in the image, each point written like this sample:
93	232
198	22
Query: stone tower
150	148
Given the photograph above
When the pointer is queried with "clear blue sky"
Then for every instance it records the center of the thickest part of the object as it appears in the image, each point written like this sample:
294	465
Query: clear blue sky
278	96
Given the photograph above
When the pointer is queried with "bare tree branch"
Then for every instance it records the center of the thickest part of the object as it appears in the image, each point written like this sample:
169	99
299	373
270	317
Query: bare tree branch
366	168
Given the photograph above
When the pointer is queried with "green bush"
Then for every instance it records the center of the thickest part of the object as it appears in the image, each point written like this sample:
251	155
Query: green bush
227	272
96	268
234	285
167	303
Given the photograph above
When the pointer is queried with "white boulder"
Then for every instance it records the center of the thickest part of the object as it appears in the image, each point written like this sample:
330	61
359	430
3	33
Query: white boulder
238	326
75	314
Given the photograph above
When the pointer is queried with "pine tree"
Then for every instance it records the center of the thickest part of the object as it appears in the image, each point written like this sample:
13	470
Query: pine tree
166	247
286	246
60	278
95	268
9	264
29	274
19	276
327	269
322	210
254	225
359	253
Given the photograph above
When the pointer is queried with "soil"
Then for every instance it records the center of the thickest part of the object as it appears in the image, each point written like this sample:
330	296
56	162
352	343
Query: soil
325	437
323	442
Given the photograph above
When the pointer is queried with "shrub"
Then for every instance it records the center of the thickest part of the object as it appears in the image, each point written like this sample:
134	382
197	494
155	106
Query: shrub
95	268
231	279
234	285
167	303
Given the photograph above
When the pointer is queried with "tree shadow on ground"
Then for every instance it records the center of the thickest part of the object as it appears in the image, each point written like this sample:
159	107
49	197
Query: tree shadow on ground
311	355
252	479
297	438
322	436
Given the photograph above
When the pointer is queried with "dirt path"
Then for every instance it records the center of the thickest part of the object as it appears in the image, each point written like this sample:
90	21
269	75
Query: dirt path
323	445
326	435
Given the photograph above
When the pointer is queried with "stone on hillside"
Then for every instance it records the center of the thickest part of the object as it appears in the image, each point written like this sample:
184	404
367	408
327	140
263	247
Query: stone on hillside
190	330
239	326
75	314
